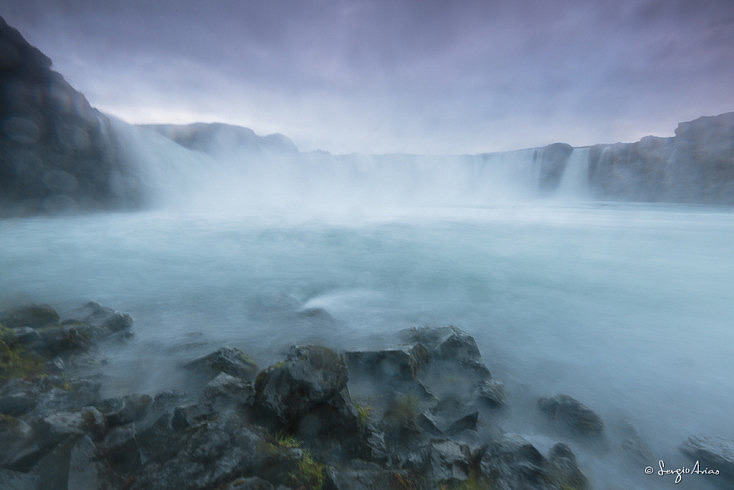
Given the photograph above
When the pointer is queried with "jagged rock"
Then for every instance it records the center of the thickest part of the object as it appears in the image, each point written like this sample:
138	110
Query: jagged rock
206	455
511	462
106	318
491	393
359	475
449	416
449	461
309	376
563	470
70	465
125	409
17	441
335	431
35	316
228	360
57	426
712	453
251	483
390	365
17	403
18	480
227	391
571	415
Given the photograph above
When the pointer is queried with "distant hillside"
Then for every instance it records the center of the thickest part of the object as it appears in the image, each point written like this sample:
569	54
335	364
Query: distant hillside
219	139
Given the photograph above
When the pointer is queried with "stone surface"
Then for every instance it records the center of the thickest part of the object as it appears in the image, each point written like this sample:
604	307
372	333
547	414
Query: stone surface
57	153
227	360
553	160
310	375
571	415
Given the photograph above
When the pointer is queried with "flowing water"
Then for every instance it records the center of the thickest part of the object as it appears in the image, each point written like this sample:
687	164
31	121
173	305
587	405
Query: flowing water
626	307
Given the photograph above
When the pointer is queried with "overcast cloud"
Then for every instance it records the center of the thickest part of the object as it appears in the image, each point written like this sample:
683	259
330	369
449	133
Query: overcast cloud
424	76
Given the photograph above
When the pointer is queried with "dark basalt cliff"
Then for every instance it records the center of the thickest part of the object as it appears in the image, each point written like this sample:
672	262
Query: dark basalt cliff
695	166
57	153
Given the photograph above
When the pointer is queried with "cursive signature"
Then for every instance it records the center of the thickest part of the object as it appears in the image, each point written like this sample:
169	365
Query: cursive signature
683	470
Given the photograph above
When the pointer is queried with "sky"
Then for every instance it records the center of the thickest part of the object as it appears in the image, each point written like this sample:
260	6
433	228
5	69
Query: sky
397	76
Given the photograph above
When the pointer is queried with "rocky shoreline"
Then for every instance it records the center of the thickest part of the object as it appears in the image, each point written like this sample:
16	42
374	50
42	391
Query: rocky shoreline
419	415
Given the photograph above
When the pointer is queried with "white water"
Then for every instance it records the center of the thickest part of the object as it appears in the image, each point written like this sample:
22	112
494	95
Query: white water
628	308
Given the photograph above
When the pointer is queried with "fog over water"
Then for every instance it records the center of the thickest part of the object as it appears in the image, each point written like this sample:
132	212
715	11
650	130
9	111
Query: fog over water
626	307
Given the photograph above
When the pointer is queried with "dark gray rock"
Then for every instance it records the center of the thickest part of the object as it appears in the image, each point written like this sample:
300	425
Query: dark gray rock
712	453
101	316
226	391
125	409
228	360
34	316
390	365
563	469
359	475
449	416
251	483
309	376
207	455
491	393
449	462
571	415
552	160
511	463
18	480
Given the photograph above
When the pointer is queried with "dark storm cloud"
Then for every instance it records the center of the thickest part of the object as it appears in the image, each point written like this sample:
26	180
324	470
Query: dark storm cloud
433	76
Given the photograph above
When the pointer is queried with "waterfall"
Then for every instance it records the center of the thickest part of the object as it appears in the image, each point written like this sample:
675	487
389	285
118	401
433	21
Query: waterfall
575	179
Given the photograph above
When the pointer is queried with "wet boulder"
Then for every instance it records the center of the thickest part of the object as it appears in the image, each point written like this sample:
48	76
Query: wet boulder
570	415
712	453
34	316
106	318
125	409
335	431
511	462
449	416
227	391
309	376
229	360
206	455
449	462
563	469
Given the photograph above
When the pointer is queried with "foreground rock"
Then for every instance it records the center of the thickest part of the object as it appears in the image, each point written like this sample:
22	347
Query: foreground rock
714	454
416	424
570	415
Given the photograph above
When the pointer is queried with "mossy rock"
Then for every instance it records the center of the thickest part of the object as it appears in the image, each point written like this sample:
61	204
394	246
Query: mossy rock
35	316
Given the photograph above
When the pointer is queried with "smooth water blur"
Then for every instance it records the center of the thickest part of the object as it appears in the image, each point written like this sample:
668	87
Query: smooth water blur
626	307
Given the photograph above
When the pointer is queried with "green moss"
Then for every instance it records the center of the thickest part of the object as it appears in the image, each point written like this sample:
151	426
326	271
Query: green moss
364	413
17	362
405	408
278	365
310	473
286	440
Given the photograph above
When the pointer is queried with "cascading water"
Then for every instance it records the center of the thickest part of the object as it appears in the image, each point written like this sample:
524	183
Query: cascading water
557	301
575	178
